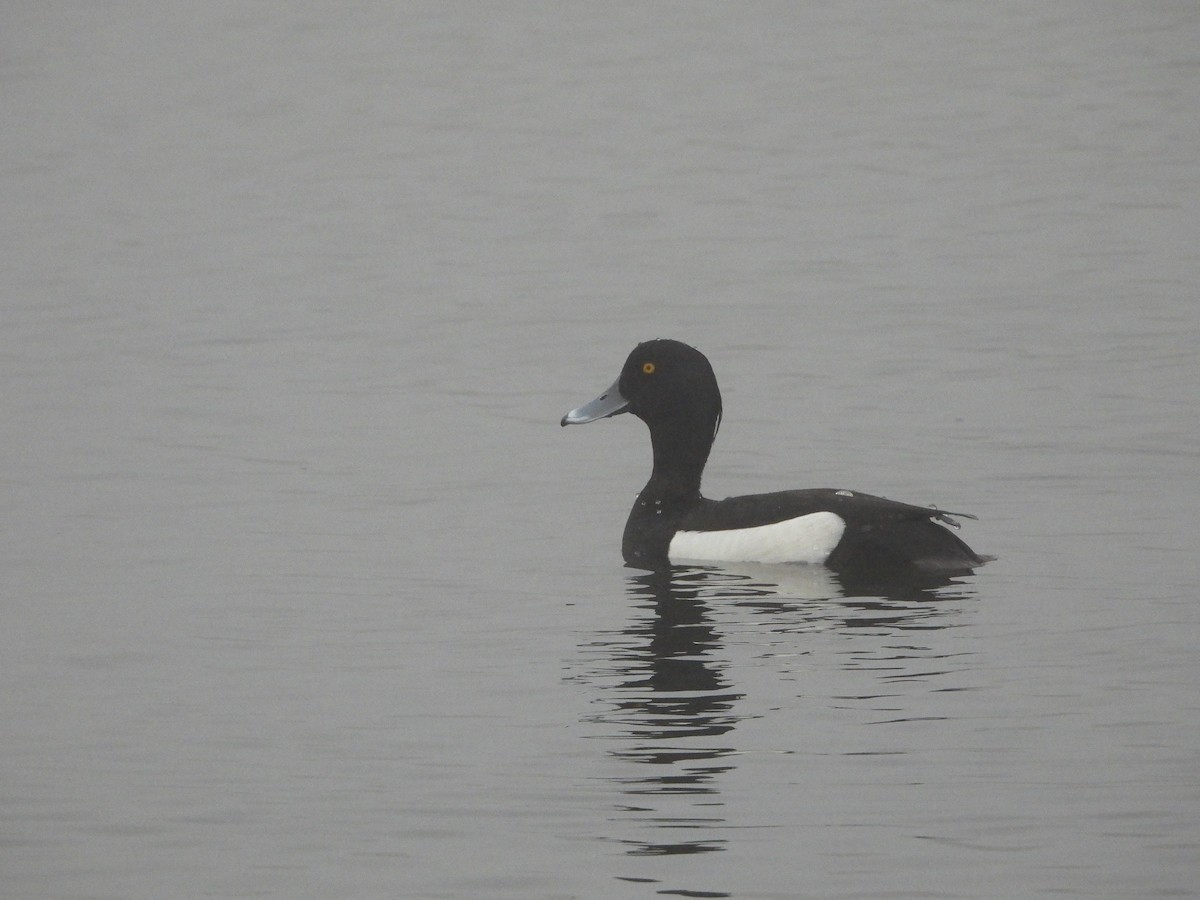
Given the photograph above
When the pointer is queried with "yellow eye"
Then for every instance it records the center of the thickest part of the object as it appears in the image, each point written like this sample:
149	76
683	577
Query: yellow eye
648	368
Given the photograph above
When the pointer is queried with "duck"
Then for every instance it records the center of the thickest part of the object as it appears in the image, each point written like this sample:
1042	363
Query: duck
672	388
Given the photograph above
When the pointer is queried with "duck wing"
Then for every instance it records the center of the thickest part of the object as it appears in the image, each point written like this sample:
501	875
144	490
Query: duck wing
881	535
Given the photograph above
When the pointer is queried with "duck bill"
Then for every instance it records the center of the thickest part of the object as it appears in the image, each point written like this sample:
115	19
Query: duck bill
610	403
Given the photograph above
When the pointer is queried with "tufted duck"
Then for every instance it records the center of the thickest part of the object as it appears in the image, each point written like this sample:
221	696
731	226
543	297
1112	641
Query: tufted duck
671	387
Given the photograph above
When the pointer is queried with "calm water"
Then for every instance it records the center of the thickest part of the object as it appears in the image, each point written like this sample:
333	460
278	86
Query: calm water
305	592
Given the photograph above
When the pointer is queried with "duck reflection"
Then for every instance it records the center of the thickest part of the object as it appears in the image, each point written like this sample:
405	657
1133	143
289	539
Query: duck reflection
671	702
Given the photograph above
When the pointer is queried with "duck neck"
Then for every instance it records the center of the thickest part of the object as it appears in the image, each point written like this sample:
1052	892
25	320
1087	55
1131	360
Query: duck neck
679	458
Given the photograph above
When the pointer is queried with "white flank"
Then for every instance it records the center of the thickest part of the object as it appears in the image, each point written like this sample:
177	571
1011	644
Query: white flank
804	539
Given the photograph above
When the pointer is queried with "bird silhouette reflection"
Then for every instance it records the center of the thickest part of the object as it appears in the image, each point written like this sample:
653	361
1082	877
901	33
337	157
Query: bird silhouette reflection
670	702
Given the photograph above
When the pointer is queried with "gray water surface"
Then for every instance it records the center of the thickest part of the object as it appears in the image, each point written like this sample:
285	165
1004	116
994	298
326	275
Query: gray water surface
306	594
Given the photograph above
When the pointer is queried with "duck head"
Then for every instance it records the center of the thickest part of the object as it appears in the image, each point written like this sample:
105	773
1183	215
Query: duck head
671	387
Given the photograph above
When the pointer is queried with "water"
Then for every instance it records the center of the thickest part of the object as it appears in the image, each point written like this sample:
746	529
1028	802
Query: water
305	592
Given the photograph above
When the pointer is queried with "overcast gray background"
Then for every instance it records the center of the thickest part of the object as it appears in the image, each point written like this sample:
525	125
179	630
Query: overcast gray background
305	593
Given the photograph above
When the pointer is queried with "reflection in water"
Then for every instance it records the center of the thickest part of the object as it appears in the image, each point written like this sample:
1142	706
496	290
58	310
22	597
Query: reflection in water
676	702
671	704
